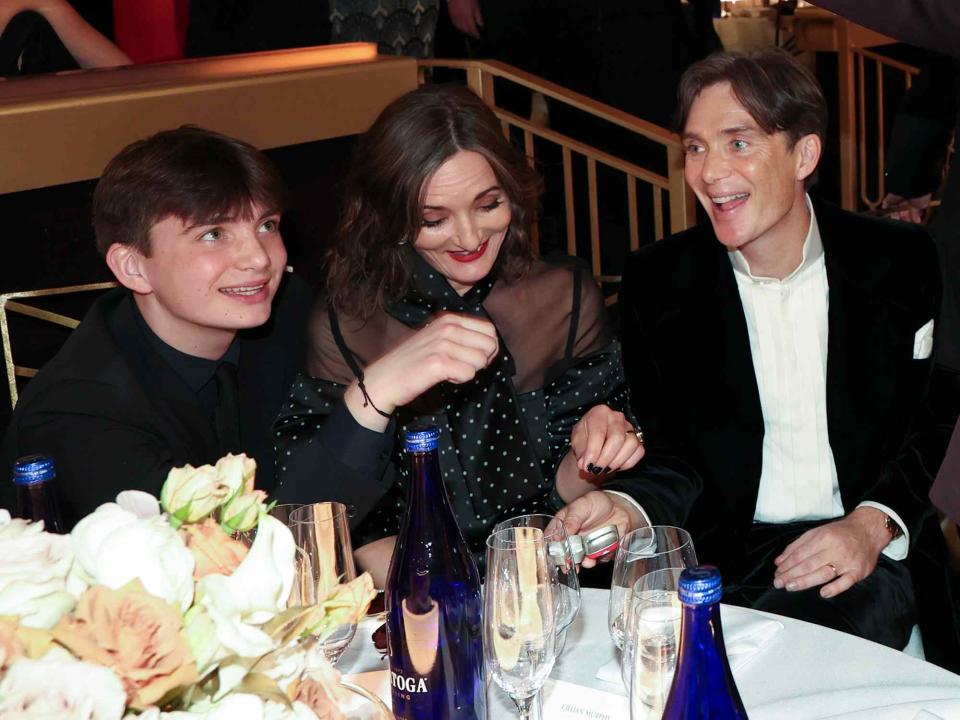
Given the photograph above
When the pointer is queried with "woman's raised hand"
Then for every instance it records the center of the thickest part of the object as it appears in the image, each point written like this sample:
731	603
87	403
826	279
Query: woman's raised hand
604	442
450	348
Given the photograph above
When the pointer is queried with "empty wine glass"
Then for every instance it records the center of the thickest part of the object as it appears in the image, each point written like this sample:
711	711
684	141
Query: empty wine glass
643	551
650	643
519	627
322	533
563	570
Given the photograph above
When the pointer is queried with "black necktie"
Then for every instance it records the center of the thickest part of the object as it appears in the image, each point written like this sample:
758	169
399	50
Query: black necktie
227	415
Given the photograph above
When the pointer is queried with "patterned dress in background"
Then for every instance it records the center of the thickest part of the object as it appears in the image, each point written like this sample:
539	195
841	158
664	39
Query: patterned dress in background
399	27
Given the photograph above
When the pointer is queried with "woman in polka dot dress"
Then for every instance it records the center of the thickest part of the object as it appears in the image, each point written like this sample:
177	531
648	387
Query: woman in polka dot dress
436	311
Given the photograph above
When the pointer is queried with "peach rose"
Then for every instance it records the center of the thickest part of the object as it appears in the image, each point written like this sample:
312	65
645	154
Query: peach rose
138	636
214	550
11	648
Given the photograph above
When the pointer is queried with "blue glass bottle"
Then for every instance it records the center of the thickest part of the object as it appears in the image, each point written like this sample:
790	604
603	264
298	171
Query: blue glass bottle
703	686
34	477
434	610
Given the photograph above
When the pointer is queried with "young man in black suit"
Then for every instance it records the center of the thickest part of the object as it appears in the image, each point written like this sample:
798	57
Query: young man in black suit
784	352
193	356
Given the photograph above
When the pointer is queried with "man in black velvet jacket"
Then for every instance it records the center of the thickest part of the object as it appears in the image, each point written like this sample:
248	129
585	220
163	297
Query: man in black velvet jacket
193	356
784	352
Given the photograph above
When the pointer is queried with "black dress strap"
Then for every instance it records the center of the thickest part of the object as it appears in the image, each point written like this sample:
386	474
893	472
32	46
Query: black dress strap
347	353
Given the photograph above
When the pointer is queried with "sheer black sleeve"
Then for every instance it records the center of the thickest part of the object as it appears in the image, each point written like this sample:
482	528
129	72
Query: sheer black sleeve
323	453
592	371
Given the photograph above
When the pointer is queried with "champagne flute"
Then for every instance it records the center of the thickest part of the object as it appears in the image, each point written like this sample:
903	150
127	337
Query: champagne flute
563	570
519	626
322	533
643	551
650	644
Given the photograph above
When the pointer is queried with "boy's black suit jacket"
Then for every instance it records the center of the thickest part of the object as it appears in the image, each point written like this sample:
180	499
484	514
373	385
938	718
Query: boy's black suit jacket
688	359
115	416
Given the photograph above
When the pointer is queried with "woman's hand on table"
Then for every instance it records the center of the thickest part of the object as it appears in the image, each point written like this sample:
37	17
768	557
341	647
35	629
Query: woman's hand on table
450	348
604	442
596	509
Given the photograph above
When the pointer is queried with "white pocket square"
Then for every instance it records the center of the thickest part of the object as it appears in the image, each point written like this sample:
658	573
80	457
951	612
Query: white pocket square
923	342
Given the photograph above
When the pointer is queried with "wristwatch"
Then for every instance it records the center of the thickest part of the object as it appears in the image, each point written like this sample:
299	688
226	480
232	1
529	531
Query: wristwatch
892	527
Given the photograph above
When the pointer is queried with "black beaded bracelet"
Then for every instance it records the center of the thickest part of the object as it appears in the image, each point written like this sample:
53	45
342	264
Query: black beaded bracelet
368	401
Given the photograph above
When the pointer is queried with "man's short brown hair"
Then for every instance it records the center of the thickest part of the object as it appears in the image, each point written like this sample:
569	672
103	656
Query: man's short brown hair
197	175
779	93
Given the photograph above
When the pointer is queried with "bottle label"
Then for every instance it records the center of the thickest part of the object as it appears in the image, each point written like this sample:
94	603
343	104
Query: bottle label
409	684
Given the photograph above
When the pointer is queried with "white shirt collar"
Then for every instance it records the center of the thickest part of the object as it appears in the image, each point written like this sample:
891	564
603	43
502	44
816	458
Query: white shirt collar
812	252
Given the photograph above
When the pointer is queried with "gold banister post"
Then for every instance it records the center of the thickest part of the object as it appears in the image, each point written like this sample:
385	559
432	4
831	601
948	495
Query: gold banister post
683	209
482	84
847	116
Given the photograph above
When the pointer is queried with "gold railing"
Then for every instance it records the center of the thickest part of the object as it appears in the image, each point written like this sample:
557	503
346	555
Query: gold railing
670	198
10	303
871	156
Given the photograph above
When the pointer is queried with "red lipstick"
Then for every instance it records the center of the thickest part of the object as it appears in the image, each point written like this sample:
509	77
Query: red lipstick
469	257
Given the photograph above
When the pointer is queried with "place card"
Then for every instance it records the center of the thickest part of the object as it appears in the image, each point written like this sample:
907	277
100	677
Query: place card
568	701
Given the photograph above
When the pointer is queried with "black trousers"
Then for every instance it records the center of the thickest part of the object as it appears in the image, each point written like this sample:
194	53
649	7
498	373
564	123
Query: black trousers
880	607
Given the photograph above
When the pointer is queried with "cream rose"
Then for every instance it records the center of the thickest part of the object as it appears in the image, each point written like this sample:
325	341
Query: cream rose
33	572
345	605
114	546
237	473
62	687
190	493
242	512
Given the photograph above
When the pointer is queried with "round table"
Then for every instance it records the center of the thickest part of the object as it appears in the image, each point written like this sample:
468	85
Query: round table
802	672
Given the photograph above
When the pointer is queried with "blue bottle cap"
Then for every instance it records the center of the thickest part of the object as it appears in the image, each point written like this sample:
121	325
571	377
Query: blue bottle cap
33	469
701	585
421	438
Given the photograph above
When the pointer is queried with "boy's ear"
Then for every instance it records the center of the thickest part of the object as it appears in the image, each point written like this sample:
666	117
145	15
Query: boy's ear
127	265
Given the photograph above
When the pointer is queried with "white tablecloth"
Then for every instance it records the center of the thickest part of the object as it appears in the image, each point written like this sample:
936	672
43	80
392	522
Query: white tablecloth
804	672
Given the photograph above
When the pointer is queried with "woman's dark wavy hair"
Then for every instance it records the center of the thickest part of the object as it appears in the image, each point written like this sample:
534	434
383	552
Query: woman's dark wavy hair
371	260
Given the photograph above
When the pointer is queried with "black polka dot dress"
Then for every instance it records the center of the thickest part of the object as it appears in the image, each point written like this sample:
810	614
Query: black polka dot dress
503	435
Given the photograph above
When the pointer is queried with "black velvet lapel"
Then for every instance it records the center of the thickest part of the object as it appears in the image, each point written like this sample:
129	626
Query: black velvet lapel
859	377
738	400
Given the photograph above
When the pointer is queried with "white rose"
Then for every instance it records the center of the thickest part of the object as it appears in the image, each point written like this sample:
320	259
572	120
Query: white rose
230	609
62	687
33	572
114	546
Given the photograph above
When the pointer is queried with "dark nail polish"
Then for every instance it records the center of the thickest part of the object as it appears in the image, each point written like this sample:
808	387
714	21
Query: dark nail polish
590	467
606	470
596	470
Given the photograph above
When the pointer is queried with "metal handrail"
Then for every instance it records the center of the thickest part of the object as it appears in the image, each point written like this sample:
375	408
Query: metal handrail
480	76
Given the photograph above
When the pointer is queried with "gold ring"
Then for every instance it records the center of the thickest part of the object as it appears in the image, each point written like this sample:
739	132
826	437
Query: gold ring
833	567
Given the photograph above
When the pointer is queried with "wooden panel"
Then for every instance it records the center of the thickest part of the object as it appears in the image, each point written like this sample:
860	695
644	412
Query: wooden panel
65	128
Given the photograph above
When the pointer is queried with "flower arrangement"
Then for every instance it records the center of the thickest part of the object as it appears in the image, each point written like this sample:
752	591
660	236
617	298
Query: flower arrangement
155	610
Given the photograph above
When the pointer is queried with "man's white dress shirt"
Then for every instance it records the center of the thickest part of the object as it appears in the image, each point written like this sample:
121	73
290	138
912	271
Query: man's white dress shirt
788	329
